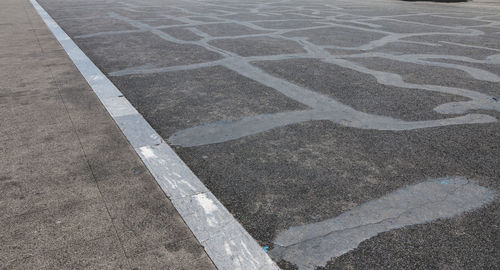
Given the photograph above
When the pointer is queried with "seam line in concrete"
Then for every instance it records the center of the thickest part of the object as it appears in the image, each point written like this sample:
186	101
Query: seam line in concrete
58	86
225	241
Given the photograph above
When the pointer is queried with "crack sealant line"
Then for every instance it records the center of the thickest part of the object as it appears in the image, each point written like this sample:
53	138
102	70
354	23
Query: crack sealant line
315	244
226	242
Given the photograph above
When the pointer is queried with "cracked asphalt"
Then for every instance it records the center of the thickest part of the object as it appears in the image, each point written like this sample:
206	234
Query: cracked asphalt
295	112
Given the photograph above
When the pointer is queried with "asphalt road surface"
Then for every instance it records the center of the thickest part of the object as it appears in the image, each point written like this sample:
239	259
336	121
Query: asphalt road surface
340	134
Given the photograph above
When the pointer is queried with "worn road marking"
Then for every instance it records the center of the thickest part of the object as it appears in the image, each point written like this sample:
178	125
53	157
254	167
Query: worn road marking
314	244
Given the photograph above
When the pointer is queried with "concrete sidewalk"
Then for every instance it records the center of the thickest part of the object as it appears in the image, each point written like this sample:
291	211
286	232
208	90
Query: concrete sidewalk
73	193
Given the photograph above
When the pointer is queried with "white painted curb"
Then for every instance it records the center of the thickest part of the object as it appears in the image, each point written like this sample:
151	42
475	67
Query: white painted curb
226	242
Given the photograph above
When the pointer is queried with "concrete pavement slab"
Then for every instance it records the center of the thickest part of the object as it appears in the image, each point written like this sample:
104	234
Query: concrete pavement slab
73	193
73	223
101	253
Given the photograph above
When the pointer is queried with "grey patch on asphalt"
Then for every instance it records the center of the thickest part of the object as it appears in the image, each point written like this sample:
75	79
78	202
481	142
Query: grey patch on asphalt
228	29
325	108
157	52
353	36
400	26
322	107
478	100
217	132
226	242
162	22
470	46
394	37
254	46
182	33
148	69
403	47
424	60
118	32
442	20
286	24
210	94
312	245
99	24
